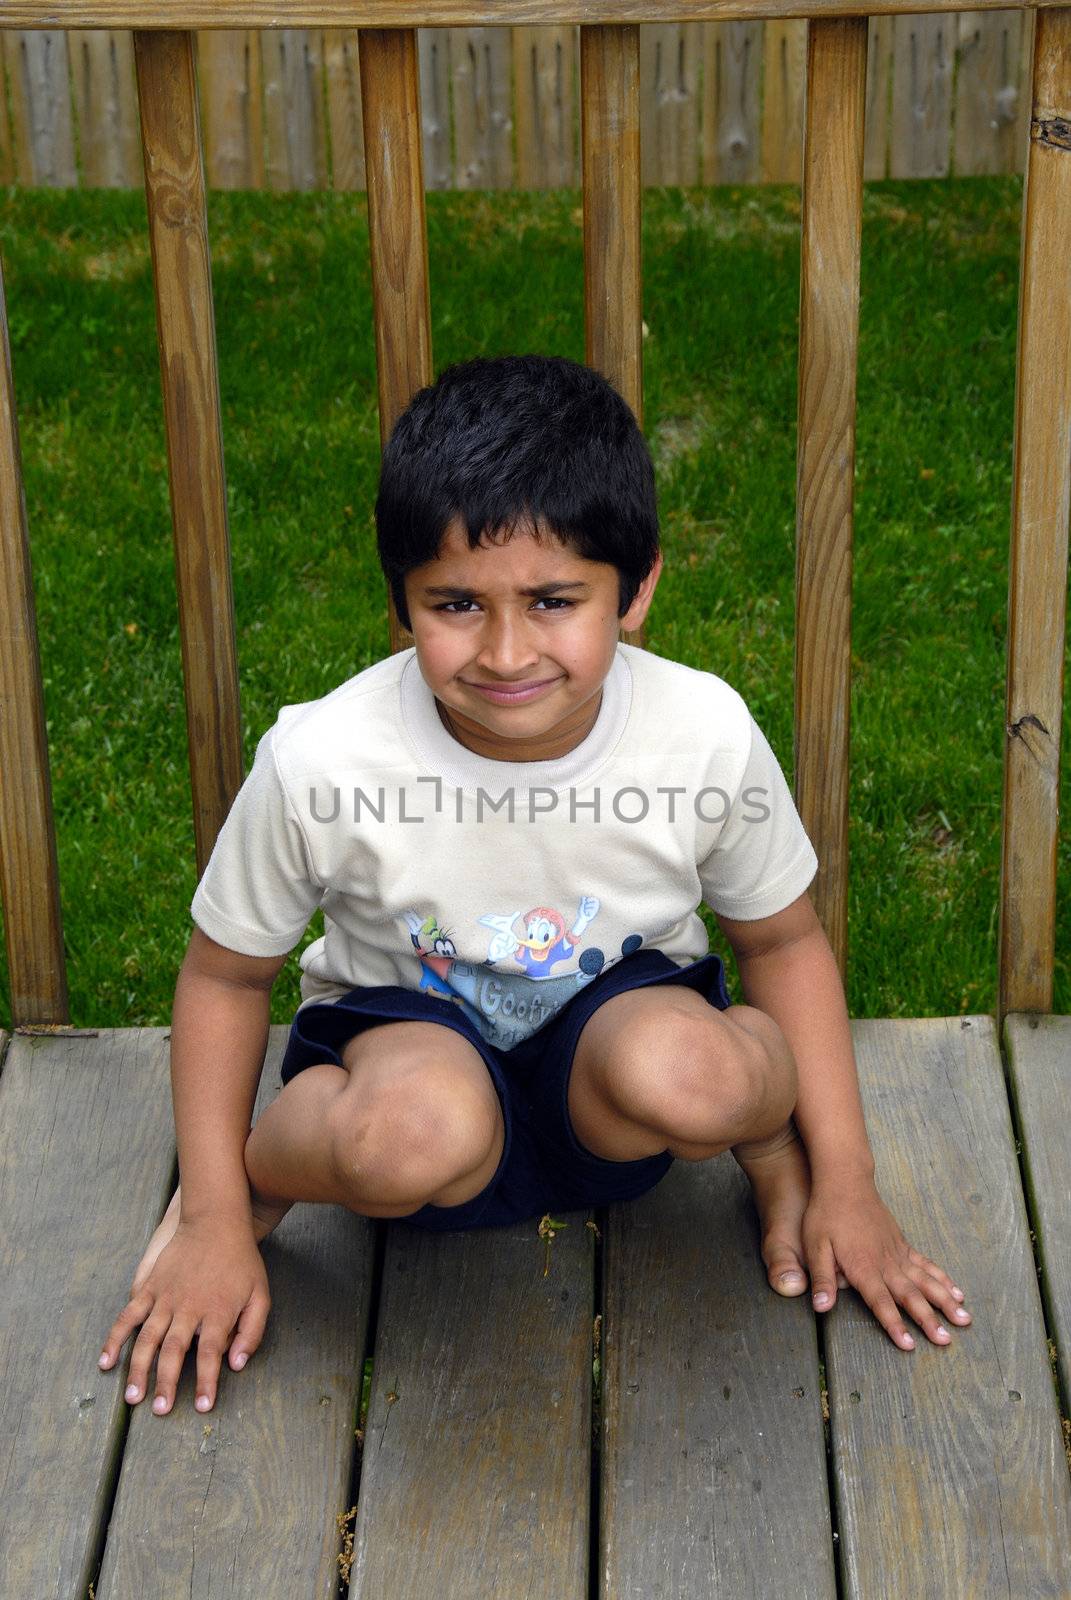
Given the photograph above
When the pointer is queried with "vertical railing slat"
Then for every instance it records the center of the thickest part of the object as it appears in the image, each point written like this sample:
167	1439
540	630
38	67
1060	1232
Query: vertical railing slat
829	337
610	168
178	231
29	875
397	228
1041	500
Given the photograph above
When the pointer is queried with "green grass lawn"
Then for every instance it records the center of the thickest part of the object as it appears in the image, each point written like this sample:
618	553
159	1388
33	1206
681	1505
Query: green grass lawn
721	288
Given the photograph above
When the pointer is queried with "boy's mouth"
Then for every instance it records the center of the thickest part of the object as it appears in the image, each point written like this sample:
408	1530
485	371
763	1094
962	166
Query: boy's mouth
511	693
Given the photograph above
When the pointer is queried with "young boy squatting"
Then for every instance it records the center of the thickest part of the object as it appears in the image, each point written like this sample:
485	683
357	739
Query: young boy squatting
509	828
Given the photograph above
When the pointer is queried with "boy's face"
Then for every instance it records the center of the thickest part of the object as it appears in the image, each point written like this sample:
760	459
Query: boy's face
518	677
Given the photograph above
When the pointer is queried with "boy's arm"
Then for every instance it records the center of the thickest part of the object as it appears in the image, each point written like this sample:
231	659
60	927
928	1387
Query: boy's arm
788	970
210	1275
219	1036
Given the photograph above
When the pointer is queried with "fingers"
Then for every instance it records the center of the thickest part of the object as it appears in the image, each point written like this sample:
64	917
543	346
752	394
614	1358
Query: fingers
885	1292
823	1275
250	1330
172	1336
148	1341
211	1343
134	1313
938	1288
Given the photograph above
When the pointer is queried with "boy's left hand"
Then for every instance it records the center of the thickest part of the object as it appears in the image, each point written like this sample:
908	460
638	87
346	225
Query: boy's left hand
848	1226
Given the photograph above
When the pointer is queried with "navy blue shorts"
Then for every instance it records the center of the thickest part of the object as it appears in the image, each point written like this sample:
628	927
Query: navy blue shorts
543	1167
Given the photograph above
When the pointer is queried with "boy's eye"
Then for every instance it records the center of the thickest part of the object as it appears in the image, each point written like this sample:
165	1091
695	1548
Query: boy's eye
544	600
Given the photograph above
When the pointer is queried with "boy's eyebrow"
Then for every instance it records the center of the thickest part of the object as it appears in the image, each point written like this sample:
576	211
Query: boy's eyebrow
539	591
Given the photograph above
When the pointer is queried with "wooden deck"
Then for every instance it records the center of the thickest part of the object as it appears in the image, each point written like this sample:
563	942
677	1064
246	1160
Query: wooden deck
714	1462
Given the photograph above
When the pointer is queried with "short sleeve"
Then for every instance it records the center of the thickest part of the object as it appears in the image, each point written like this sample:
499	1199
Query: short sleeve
257	892
762	859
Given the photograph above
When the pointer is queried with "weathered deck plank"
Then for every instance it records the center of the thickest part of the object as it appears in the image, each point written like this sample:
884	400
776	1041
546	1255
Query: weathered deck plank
1039	1072
714	1466
949	1468
244	1501
475	1479
87	1156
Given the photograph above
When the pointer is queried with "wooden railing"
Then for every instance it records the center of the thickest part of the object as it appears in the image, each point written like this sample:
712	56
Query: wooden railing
829	307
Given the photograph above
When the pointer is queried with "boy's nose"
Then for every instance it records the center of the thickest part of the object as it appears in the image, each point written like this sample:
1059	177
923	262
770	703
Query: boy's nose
505	652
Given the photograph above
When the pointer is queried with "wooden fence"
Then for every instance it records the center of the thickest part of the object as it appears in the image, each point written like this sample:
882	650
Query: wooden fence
721	102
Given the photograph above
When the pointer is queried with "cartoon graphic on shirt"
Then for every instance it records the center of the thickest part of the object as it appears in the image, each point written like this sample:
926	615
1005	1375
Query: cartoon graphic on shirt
507	1007
537	939
437	953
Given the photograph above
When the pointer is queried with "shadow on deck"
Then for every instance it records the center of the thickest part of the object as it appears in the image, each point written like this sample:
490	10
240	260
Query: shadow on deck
644	1418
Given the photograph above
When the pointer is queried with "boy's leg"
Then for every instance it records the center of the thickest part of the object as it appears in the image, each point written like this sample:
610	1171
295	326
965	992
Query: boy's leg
660	1068
410	1113
411	1117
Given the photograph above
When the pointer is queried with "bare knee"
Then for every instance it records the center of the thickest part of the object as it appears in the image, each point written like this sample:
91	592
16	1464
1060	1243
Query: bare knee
709	1080
766	1067
406	1144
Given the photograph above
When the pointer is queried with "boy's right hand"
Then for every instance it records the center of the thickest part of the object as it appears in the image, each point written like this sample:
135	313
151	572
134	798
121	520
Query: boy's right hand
210	1276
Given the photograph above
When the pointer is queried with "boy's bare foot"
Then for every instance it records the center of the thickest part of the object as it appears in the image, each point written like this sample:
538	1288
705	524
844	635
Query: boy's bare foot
780	1176
265	1217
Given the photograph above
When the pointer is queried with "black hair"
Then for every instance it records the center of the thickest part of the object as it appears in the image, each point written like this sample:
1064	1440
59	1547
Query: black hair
529	440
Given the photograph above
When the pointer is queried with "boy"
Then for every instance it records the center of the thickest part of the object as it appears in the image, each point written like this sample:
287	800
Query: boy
509	827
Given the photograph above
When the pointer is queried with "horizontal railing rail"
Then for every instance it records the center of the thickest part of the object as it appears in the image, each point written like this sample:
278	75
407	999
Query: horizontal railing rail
202	14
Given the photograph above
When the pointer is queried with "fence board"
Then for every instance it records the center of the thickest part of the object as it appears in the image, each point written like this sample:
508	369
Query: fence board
293	109
544	69
702	114
480	71
7	153
669	103
1026	91
1041	504
39	85
29	877
178	234
987	91
922	99
879	65
433	49
784	88
343	78
829	344
106	105
732	63
228	72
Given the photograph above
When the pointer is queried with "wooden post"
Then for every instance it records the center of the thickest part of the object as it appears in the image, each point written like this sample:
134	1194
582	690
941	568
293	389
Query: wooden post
610	163
178	231
29	875
1041	496
397	228
829	338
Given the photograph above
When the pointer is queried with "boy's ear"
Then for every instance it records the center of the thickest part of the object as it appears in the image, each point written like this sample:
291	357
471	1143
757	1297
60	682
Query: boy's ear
636	612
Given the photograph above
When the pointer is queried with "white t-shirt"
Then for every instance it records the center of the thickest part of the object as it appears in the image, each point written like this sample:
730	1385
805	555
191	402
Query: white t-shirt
505	887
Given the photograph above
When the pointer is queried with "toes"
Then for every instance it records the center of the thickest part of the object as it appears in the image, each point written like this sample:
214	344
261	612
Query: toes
786	1274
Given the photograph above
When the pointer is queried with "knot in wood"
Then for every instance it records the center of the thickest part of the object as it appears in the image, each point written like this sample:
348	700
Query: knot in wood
1054	131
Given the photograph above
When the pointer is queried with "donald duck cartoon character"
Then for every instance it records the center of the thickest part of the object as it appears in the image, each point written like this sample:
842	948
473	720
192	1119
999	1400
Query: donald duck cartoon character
538	939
